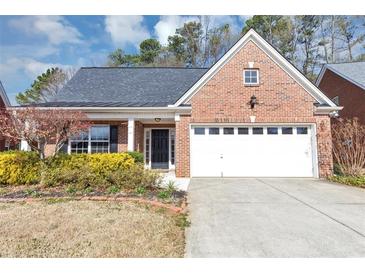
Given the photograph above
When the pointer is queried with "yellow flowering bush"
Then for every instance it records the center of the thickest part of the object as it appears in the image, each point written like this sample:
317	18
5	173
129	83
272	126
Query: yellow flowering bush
19	168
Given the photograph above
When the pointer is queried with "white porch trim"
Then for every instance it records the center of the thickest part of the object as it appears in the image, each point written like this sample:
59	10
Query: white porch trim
130	134
147	139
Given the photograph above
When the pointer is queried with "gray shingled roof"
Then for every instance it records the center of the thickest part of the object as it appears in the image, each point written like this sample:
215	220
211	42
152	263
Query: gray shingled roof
355	72
126	87
3	96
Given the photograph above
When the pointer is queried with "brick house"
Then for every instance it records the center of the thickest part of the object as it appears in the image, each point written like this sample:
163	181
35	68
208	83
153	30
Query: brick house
344	83
4	102
251	114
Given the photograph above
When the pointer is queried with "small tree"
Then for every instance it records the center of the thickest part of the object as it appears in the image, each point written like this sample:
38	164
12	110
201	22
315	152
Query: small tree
40	127
349	146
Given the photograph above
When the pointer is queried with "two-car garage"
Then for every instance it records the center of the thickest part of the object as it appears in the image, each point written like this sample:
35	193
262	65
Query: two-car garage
252	151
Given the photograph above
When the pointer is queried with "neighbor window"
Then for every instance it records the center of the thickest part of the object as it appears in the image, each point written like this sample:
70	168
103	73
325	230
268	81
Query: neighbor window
228	131
257	130
272	130
336	100
251	76
243	131
214	131
95	140
199	131
287	130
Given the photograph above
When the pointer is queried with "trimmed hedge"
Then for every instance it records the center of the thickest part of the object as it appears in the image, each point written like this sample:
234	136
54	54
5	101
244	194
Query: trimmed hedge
19	168
99	171
84	170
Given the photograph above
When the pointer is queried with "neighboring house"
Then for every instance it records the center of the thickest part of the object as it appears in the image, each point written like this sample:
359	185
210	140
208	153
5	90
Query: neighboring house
250	114
4	103
345	84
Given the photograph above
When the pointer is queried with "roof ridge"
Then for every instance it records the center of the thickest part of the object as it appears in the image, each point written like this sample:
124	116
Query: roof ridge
353	62
105	67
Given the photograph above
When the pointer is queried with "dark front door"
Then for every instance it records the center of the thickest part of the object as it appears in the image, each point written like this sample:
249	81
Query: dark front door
160	148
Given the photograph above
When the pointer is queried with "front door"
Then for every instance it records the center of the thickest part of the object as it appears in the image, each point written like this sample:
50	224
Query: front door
160	148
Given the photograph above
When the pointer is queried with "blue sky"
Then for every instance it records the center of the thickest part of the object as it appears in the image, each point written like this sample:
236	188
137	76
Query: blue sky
31	44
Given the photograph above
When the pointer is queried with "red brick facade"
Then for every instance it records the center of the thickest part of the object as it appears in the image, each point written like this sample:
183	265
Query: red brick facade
351	96
224	99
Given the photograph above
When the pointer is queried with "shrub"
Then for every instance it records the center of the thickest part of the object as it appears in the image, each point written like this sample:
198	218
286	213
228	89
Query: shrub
111	172
84	170
134	177
137	156
113	189
164	194
350	180
98	171
19	168
349	146
140	190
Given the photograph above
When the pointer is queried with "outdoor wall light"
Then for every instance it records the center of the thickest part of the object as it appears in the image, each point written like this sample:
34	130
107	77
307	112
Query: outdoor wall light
253	101
157	119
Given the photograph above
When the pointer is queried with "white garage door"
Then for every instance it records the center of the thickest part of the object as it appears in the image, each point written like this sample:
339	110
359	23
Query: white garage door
259	151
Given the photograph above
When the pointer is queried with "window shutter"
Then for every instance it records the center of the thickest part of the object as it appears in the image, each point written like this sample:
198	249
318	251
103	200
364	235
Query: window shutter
113	138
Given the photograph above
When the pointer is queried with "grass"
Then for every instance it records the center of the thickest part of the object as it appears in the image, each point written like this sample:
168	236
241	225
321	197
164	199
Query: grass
358	181
69	228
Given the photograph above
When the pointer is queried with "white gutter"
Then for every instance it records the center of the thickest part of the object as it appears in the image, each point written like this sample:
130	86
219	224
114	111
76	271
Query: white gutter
184	109
327	110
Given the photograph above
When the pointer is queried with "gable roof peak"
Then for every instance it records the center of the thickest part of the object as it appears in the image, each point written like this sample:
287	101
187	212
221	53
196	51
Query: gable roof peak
267	48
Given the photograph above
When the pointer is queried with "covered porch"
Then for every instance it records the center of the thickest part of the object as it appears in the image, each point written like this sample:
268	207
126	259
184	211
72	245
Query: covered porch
152	133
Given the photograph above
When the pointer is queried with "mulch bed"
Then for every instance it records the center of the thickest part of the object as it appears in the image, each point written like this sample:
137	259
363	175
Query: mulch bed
175	204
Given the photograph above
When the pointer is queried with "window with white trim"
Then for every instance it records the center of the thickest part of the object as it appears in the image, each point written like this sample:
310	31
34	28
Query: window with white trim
251	76
99	139
80	143
147	147
95	140
172	146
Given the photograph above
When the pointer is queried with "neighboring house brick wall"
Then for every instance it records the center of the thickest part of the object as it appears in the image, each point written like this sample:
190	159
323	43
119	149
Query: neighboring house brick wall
224	99
351	96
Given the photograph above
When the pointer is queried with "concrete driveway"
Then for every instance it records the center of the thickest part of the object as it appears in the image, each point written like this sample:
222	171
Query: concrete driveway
257	217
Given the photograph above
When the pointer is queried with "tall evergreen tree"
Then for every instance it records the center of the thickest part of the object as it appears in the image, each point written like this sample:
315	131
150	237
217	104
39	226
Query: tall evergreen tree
46	85
149	50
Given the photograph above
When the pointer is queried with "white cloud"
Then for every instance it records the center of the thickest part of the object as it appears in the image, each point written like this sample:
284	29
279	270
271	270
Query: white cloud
168	24
29	66
126	30
55	28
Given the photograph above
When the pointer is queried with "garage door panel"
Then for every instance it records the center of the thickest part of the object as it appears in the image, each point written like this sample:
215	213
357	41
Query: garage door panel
252	155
